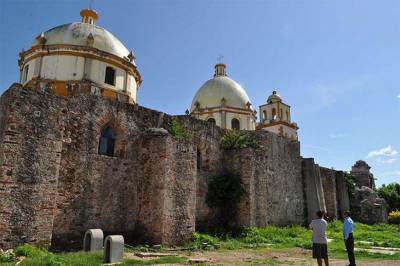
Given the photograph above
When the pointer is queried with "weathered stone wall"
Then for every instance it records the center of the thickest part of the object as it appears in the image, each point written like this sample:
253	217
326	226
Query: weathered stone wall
31	134
342	194
313	188
367	207
328	177
273	180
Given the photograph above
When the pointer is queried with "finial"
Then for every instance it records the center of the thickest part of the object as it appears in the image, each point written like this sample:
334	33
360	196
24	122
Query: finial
220	59
131	56
41	39
274	92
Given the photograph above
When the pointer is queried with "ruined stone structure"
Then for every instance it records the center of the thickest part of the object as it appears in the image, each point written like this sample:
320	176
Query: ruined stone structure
78	152
366	205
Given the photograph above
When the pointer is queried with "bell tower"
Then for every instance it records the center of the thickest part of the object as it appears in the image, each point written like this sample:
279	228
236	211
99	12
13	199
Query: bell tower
275	117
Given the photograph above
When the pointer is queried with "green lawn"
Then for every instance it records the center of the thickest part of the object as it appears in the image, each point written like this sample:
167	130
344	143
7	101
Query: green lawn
272	237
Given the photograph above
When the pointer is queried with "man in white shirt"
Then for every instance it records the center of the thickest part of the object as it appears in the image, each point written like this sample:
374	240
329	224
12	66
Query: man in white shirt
320	247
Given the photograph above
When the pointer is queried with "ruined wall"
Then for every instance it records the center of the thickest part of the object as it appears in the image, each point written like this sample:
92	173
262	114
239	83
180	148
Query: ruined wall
272	177
31	134
313	189
342	194
328	177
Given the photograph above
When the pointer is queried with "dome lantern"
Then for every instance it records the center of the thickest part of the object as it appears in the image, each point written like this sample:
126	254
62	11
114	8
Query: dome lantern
220	70
89	16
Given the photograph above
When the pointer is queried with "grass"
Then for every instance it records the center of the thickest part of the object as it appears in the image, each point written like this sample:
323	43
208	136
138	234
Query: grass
383	235
256	239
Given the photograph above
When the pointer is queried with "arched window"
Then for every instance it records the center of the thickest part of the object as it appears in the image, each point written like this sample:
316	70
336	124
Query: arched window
211	120
199	159
235	124
273	113
287	116
107	141
264	115
110	76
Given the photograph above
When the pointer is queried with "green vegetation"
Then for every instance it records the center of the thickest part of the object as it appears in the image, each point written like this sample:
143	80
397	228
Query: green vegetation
383	235
224	193
178	131
391	193
234	139
350	182
256	239
41	257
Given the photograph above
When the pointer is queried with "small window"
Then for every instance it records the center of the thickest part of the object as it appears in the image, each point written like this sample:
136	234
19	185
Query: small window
110	76
211	120
273	113
25	73
107	141
235	124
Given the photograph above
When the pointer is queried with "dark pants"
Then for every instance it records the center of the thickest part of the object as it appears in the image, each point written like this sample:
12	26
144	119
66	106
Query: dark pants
349	242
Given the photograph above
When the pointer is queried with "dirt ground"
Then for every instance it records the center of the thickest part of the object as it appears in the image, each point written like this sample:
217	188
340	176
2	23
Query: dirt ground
295	256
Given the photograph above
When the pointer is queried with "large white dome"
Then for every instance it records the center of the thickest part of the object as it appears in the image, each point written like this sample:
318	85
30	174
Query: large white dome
77	34
214	90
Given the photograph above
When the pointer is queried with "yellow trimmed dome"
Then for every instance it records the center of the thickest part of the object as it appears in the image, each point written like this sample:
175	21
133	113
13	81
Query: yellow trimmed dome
219	91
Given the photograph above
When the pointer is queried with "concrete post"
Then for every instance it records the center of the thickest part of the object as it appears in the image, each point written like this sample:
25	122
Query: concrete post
93	240
113	249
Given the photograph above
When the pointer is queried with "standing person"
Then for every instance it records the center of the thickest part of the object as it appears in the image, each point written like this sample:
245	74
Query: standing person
320	246
348	229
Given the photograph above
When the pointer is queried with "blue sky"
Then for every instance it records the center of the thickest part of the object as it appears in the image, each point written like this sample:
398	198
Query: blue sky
337	63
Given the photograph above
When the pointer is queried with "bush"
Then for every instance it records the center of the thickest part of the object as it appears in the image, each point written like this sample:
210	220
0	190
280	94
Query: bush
233	139
394	217
391	193
178	131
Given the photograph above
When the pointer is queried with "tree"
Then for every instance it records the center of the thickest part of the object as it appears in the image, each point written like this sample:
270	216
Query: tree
391	193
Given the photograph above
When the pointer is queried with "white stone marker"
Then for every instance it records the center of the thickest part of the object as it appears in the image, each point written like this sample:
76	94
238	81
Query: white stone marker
113	249
93	240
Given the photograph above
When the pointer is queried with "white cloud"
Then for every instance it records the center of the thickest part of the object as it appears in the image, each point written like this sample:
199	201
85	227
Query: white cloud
387	151
398	96
388	161
395	173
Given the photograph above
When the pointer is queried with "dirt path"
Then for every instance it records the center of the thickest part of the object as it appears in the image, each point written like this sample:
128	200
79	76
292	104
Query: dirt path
296	257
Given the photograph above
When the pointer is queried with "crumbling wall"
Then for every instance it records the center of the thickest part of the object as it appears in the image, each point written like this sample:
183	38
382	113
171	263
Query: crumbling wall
313	188
328	177
30	147
272	177
342	194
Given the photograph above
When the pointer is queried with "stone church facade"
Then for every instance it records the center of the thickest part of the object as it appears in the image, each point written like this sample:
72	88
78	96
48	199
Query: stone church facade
80	153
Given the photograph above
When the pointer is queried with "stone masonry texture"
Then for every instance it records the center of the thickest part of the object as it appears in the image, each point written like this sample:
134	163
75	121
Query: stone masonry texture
54	185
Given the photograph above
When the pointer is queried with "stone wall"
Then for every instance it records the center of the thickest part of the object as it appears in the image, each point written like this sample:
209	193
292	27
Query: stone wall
313	188
31	134
328	177
273	181
342	194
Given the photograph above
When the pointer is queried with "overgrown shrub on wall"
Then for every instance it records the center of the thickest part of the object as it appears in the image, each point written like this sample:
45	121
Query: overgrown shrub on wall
234	139
178	130
391	193
224	194
350	183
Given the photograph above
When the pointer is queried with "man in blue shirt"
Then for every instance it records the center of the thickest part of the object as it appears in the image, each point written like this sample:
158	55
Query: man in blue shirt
348	229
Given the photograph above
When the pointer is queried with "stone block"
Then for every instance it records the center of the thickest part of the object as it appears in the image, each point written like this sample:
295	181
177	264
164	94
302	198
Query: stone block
113	249
93	240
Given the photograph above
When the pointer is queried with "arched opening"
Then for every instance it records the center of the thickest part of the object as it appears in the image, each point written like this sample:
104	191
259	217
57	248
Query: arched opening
273	113
264	115
25	73
211	120
199	159
110	76
287	116
235	124
107	141
107	251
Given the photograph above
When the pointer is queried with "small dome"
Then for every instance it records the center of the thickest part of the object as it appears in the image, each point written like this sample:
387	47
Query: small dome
219	89
77	34
274	97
